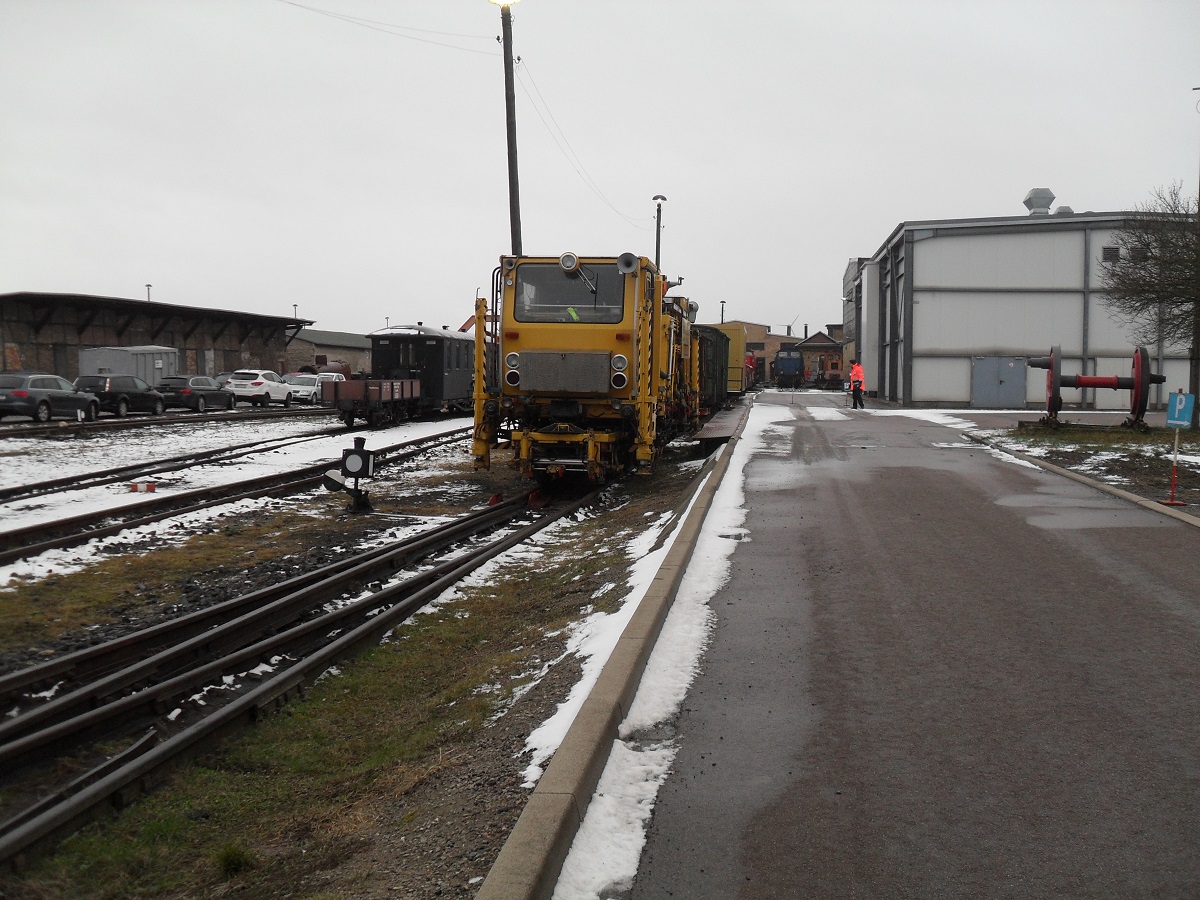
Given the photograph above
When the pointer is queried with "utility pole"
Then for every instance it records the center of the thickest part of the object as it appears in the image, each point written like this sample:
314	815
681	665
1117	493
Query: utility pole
658	199
510	111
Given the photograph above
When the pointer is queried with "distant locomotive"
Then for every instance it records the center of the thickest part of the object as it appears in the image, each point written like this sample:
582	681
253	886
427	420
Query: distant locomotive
787	369
415	370
596	368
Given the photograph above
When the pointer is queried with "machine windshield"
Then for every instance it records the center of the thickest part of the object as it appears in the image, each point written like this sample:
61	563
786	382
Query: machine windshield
593	294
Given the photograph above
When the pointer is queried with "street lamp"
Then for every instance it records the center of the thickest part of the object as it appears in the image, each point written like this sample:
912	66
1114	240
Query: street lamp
510	115
658	199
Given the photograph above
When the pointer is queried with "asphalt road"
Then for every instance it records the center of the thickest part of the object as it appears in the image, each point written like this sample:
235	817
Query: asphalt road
937	673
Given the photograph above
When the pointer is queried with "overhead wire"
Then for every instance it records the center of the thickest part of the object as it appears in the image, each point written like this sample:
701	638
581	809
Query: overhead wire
569	153
386	27
522	71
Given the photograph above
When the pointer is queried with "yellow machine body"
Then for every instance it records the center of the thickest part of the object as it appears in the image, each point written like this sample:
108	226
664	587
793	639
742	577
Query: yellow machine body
593	366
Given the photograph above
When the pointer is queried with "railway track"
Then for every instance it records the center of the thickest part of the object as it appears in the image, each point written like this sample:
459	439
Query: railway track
284	636
67	427
118	474
71	531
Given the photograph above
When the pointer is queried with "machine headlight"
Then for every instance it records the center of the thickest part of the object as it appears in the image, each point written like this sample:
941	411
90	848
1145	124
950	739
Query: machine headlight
512	360
619	363
512	377
619	381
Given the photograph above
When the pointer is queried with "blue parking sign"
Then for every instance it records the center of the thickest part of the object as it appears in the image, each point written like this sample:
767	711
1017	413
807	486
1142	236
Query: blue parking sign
1179	410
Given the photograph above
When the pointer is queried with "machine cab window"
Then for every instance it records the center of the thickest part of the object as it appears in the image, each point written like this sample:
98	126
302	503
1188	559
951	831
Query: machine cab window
589	294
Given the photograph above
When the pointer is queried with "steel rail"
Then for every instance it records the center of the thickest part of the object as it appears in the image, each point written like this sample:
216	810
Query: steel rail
68	426
124	473
139	774
17	544
108	656
272	630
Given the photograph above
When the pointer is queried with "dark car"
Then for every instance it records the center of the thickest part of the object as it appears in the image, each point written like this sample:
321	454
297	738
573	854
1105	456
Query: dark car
198	392
122	394
41	396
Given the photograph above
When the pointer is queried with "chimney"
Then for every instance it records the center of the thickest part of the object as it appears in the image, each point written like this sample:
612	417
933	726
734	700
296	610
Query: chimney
806	331
789	331
1038	201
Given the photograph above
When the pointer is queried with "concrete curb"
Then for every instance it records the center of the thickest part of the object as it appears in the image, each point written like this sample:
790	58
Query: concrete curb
1152	505
531	859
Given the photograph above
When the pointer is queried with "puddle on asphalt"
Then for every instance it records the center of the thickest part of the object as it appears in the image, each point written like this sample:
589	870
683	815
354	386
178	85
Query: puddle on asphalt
1079	510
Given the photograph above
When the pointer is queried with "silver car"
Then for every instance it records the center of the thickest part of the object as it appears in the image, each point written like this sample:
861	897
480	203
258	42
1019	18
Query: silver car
306	388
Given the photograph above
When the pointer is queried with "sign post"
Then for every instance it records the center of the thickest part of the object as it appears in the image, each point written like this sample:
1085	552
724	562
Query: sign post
1179	416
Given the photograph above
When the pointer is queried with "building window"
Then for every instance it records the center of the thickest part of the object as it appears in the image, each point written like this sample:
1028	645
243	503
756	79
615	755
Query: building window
1139	254
1110	254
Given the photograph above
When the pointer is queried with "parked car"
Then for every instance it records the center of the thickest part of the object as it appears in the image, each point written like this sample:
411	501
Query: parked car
306	388
41	396
223	379
260	387
323	377
122	394
195	392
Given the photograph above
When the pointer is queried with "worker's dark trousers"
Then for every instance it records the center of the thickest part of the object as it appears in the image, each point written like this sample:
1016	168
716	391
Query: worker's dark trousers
858	401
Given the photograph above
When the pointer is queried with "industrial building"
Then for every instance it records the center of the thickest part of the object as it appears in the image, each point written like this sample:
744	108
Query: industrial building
948	312
46	332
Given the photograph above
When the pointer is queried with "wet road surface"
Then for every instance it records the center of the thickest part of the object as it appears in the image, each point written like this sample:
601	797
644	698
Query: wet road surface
936	673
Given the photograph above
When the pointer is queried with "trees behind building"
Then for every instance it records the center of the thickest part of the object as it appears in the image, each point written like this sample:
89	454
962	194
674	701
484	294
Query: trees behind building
1154	285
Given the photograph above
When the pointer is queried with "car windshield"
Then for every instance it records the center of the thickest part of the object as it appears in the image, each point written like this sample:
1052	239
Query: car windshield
11	381
592	293
87	381
245	376
304	380
171	381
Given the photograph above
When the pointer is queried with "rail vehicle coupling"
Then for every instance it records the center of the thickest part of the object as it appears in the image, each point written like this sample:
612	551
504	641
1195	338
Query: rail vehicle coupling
1138	384
357	463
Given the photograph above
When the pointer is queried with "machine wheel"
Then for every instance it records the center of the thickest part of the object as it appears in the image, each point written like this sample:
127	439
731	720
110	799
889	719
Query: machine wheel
159	409
122	408
199	404
42	413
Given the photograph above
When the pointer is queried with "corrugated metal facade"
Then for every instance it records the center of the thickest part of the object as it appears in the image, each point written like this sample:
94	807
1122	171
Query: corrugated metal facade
940	295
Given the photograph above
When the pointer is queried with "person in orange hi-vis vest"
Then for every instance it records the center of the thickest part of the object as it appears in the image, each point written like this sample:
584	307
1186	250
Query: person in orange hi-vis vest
857	378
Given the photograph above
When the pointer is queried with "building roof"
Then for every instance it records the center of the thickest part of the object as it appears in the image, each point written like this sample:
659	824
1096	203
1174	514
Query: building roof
147	307
819	339
1057	221
334	338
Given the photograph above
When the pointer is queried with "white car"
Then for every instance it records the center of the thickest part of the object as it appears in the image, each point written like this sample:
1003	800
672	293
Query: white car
260	387
322	377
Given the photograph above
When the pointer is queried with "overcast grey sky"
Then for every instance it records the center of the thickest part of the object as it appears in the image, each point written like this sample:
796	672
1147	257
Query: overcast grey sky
255	154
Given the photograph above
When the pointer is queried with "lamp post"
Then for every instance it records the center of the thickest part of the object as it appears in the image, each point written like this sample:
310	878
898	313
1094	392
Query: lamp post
658	199
510	115
722	312
148	293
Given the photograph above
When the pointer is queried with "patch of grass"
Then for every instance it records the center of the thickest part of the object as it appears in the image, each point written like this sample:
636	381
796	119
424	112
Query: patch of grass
298	793
234	860
1095	439
137	583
